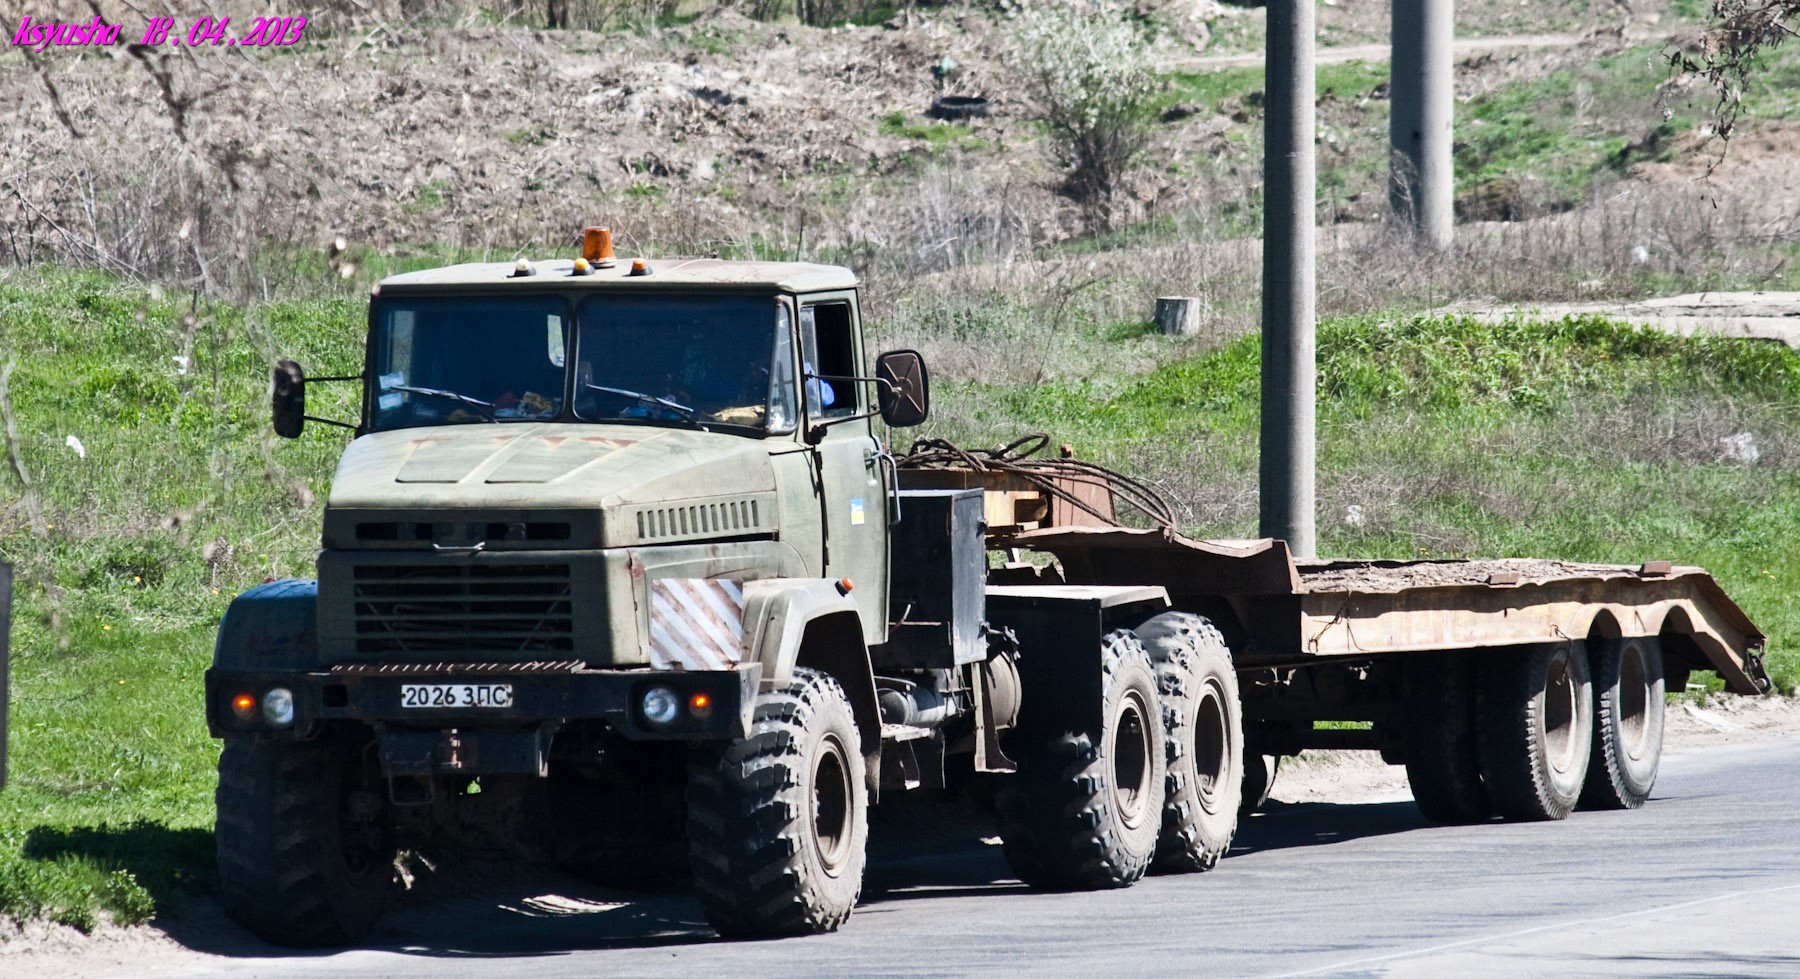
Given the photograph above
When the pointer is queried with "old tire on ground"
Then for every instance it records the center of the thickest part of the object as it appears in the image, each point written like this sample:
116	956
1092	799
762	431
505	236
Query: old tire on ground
305	839
778	823
1259	780
1203	729
1085	808
1439	740
1537	720
1628	723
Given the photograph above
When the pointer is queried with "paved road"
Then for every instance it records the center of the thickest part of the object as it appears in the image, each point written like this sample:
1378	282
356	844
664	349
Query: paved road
1703	882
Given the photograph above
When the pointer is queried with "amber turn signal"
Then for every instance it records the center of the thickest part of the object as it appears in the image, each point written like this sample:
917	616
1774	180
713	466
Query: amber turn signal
700	705
244	706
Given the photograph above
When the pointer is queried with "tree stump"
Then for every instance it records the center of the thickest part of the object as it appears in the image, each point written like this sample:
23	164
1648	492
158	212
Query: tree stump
1178	316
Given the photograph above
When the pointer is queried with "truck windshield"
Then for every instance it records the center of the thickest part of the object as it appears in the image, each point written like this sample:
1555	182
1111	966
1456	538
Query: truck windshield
712	361
715	360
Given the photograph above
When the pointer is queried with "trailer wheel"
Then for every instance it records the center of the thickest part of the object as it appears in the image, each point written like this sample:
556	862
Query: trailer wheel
305	839
1084	811
1438	737
1537	728
1628	724
778	823
1203	728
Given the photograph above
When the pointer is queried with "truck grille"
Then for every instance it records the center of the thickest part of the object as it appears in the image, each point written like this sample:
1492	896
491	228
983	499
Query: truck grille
460	608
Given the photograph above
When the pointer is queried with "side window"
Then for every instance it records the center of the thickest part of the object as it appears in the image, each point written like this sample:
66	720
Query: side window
782	411
829	350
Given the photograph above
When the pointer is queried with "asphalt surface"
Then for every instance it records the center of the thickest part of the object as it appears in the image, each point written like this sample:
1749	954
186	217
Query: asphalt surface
1704	881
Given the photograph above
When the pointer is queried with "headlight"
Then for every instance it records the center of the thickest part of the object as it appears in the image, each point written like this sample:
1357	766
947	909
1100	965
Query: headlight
278	707
660	706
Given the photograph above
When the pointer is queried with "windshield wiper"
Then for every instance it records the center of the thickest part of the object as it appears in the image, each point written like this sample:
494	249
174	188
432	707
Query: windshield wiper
682	411
486	408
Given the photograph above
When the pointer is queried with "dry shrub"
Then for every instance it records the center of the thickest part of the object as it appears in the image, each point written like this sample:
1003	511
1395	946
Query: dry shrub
1090	74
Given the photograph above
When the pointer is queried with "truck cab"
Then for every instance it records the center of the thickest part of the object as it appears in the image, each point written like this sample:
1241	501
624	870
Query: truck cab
594	513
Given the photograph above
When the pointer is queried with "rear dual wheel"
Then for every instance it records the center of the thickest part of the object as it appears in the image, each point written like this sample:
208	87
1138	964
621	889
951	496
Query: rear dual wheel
1536	722
1628	723
1440	740
1203	731
1085	809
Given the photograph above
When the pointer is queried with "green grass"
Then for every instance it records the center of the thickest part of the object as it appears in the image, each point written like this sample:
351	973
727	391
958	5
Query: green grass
935	135
108	801
1347	80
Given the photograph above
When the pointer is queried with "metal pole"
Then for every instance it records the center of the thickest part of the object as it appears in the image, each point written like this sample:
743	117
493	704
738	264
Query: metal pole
1422	93
1288	368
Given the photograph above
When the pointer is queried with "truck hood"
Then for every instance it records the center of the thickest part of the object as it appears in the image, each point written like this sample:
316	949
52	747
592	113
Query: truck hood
547	465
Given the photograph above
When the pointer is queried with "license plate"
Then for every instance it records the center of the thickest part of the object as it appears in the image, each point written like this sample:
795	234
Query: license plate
456	695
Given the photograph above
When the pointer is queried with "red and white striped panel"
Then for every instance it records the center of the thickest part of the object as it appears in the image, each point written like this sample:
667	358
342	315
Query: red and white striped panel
696	623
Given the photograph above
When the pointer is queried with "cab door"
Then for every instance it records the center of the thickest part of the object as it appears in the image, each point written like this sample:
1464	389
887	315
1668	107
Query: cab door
852	477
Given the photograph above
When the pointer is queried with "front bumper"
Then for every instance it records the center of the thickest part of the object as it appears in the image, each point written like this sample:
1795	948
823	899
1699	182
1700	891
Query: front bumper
543	698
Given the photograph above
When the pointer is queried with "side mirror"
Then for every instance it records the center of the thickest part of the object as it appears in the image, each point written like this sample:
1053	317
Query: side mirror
287	398
904	394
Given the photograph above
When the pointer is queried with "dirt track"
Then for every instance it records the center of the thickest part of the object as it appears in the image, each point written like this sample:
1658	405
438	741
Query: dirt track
1745	315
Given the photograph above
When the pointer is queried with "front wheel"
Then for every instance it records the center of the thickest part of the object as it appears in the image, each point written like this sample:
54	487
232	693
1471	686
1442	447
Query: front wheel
1085	807
778	823
305	839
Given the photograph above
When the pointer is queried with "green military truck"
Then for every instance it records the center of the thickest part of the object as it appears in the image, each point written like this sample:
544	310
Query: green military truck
617	573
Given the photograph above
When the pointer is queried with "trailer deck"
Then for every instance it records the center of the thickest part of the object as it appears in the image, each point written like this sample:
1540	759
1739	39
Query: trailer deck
1295	613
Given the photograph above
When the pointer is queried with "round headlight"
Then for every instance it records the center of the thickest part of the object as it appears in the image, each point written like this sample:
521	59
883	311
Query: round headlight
661	705
278	706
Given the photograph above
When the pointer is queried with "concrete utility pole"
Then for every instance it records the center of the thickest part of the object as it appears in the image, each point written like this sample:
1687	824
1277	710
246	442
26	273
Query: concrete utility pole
1288	349
1422	93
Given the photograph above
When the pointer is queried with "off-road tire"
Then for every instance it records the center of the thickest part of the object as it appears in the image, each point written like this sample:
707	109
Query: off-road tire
304	838
1439	739
778	823
1536	714
1084	810
1203	731
1628	723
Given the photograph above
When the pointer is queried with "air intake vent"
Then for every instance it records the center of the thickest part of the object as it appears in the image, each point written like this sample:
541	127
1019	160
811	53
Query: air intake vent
700	519
458	608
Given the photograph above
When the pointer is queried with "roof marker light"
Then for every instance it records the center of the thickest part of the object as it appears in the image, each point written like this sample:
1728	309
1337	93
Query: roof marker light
639	267
582	267
596	247
522	268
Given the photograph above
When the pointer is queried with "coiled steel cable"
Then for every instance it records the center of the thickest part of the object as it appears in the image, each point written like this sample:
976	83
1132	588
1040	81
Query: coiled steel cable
1047	475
